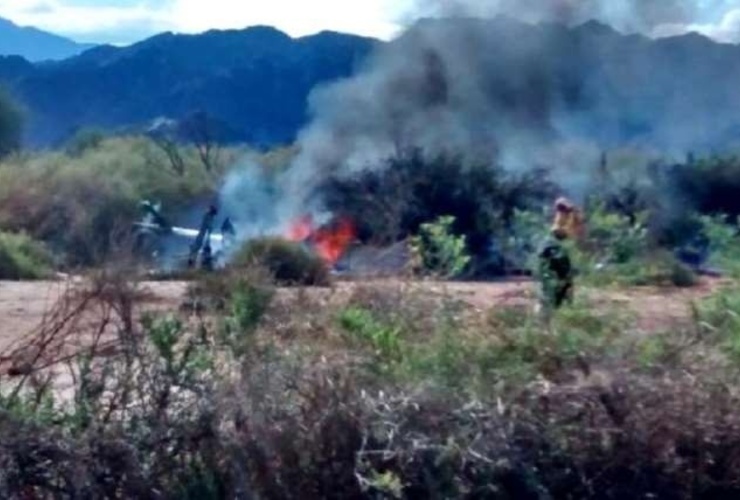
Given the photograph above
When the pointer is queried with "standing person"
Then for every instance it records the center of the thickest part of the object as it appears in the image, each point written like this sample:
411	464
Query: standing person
203	236
556	271
568	217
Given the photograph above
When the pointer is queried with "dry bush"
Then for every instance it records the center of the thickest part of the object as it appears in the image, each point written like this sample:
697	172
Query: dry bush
289	263
179	410
214	290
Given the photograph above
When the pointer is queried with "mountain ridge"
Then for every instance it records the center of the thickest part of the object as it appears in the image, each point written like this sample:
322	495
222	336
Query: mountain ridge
36	45
613	88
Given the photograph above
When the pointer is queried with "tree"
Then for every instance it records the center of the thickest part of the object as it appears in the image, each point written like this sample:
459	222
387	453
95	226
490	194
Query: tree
200	129
162	133
11	124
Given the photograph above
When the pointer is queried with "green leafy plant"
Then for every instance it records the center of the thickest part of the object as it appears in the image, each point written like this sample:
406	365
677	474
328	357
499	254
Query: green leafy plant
719	319
247	304
184	358
383	339
438	251
723	236
614	238
23	258
620	250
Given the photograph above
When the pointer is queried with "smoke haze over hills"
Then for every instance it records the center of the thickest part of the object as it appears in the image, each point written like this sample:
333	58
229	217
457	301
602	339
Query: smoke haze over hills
521	95
718	19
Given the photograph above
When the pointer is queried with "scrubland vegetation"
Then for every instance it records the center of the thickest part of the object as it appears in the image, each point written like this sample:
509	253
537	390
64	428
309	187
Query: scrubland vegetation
389	392
392	390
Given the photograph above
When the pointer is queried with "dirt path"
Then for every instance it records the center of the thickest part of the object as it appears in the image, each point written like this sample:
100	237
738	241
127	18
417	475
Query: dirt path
23	305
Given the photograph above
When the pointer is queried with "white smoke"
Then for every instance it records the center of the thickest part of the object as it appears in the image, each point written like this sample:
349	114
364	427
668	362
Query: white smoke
726	30
717	19
251	200
258	204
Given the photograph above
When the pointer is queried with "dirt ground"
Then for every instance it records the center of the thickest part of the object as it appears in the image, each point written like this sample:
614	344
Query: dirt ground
25	309
23	305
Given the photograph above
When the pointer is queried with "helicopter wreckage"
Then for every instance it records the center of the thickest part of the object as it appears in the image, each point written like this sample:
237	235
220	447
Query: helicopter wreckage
205	247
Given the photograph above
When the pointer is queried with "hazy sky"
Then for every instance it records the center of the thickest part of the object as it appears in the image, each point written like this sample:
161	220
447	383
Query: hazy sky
126	21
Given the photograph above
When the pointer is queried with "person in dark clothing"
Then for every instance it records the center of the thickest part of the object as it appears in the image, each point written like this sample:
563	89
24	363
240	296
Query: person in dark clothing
556	271
203	236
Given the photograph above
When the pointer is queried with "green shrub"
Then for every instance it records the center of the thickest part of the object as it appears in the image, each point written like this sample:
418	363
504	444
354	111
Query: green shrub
289	263
240	295
719	319
383	339
438	252
22	258
722	233
620	250
246	308
614	238
659	269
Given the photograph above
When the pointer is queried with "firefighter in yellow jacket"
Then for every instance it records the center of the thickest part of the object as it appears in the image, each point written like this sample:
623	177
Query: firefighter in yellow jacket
556	271
569	219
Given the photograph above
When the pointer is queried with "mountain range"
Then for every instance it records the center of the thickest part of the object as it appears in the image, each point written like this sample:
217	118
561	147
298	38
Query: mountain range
257	82
36	45
254	81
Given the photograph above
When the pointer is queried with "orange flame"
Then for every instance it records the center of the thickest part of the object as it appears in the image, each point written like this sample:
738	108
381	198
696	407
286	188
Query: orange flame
330	242
301	229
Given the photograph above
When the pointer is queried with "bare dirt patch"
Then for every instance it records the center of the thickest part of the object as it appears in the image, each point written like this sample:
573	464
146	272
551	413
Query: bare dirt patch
55	315
25	305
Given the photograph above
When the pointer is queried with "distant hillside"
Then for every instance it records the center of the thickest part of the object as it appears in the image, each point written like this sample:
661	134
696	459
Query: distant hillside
254	81
595	82
36	45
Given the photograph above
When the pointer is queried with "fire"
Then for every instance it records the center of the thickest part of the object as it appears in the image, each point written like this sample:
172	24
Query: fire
330	242
301	229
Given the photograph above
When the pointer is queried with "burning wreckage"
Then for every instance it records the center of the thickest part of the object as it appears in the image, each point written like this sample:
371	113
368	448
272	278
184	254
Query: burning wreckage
158	238
207	249
335	242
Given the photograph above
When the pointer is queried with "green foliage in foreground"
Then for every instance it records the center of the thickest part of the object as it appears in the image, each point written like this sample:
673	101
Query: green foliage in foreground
22	258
